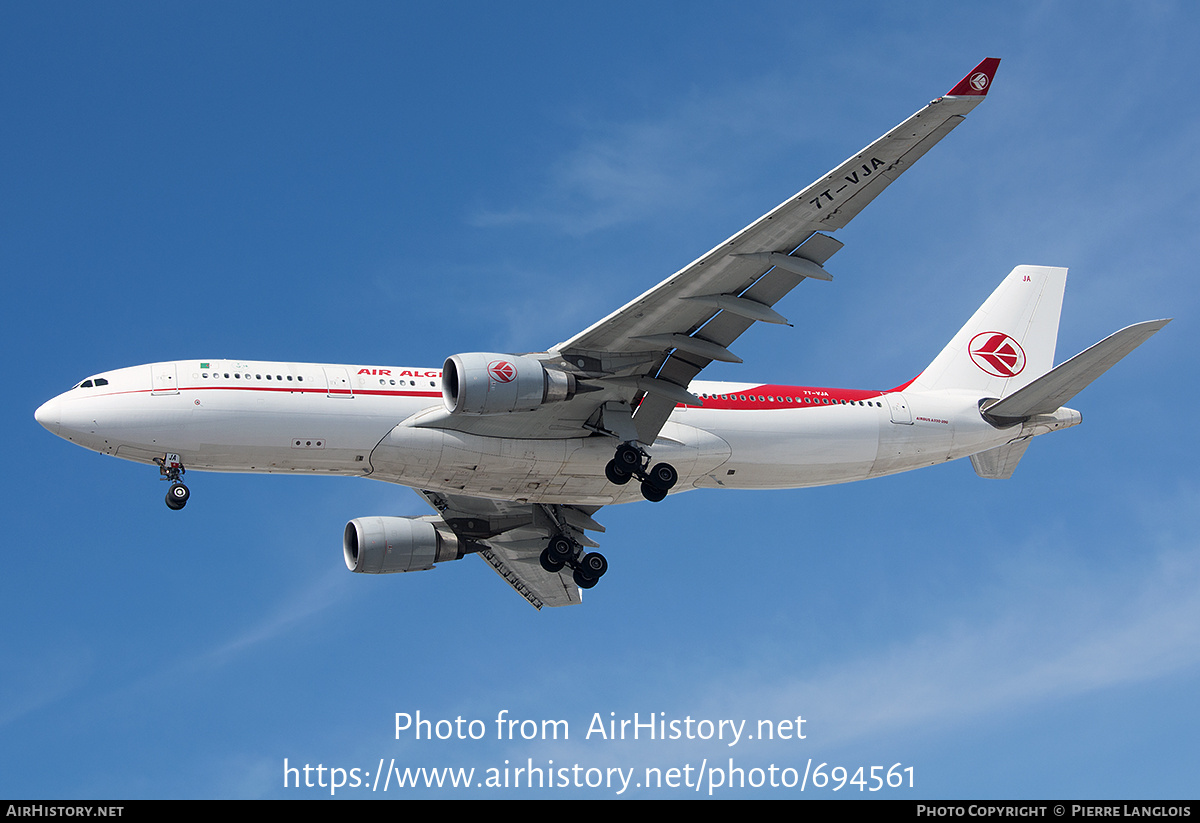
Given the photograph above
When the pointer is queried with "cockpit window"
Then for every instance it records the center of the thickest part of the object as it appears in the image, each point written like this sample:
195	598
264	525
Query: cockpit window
91	382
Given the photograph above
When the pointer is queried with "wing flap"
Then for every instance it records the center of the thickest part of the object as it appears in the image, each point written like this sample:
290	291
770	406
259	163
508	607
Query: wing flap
518	566
681	367
510	537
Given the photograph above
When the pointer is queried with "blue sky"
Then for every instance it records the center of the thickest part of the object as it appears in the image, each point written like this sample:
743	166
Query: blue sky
397	183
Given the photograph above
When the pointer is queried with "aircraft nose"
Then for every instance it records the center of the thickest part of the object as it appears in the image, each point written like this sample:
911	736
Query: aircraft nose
48	415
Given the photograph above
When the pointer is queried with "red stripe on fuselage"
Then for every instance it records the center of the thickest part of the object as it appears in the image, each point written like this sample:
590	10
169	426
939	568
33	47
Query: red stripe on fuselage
773	396
280	390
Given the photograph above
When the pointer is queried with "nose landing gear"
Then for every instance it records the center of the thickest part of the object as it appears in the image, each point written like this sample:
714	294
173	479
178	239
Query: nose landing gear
172	469
631	461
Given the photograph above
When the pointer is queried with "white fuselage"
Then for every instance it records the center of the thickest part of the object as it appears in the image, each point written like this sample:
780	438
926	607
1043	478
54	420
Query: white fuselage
248	416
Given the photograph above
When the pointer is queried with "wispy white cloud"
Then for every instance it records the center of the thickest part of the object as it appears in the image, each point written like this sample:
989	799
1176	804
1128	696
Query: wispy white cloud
31	684
1049	632
627	170
302	605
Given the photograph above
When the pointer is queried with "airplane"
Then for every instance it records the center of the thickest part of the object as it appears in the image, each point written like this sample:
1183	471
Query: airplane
516	453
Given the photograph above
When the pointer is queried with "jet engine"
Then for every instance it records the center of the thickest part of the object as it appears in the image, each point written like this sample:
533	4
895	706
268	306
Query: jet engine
382	545
489	383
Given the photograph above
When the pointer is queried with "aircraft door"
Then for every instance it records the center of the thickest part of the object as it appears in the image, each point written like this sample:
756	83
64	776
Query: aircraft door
163	379
337	380
898	407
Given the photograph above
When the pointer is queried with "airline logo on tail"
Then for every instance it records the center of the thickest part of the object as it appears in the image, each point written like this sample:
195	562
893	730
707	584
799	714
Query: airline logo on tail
997	354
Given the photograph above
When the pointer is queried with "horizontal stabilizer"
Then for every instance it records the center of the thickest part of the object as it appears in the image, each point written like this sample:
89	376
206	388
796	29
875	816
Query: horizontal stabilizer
1055	388
999	463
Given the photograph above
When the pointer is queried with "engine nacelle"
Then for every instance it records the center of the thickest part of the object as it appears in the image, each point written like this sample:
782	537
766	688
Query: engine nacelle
382	545
489	383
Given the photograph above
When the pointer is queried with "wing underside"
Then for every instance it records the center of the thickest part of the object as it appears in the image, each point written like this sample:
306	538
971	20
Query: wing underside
510	538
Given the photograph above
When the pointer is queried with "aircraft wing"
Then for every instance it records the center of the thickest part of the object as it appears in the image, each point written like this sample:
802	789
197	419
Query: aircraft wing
510	537
644	355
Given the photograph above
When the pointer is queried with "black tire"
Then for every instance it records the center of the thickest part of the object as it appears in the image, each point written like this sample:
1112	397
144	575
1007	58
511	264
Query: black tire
652	492
172	504
583	581
179	493
594	565
561	548
664	475
549	563
628	457
616	474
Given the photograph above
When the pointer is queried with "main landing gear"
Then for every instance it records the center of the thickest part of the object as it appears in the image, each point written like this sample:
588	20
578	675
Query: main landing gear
631	461
171	469
587	569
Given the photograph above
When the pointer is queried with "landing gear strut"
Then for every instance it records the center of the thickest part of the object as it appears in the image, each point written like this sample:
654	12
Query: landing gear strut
171	469
631	461
587	569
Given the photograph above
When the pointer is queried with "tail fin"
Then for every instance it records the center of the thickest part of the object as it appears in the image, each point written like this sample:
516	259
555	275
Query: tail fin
1008	343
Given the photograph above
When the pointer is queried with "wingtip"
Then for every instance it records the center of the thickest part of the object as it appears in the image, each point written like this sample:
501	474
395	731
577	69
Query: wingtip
978	80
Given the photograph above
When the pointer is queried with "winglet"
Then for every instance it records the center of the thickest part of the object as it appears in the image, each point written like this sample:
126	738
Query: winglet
978	80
